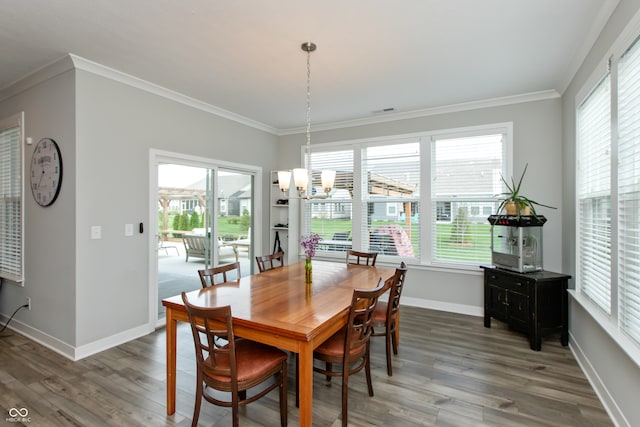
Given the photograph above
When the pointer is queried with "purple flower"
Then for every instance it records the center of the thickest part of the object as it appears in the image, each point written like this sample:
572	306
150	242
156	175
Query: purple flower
310	243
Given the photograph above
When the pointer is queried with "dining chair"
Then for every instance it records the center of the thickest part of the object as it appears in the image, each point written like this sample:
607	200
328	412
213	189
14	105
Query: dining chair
349	347
236	368
386	314
362	258
266	262
211	276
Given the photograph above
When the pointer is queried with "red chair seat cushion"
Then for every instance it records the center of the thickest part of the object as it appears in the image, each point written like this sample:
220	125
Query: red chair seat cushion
380	313
334	346
252	360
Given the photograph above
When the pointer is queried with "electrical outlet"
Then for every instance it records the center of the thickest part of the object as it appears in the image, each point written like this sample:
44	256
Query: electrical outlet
28	303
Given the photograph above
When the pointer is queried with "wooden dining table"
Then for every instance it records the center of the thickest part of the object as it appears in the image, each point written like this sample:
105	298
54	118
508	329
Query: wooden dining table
277	308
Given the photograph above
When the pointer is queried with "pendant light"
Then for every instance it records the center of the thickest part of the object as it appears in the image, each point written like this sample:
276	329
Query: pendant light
302	178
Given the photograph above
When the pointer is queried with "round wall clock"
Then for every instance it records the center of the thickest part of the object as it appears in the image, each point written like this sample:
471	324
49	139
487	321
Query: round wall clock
46	172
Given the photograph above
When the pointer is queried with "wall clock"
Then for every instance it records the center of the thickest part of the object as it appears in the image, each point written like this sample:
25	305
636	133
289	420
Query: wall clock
46	172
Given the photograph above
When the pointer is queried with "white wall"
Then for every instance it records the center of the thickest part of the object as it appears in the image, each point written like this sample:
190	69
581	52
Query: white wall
537	140
613	374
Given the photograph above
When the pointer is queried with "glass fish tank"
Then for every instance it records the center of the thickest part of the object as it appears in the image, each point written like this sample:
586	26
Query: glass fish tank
516	242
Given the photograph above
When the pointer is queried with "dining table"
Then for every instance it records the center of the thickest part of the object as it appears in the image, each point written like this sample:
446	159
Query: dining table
278	308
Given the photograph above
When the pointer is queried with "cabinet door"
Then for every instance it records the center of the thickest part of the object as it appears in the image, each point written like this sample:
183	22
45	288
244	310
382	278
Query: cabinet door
497	302
518	307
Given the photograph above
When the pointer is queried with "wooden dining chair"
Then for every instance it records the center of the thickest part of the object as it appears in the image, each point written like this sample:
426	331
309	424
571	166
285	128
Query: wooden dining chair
266	262
386	314
236	368
361	258
216	275
349	347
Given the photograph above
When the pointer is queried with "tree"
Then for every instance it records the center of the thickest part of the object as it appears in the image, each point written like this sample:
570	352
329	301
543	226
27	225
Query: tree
195	220
176	222
460	227
184	221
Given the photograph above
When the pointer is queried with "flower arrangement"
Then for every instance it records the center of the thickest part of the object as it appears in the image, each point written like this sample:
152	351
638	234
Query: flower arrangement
309	243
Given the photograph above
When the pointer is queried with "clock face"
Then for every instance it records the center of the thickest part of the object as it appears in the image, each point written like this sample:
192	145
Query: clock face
46	172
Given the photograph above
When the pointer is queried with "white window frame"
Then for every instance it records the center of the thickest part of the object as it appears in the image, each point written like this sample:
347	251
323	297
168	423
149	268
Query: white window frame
425	258
12	265
608	322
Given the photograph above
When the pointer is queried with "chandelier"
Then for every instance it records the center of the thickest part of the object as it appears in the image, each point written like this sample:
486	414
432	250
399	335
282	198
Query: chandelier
302	177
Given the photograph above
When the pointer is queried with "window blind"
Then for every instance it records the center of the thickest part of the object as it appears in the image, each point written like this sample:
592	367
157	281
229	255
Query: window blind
629	192
11	199
331	218
390	198
593	189
465	178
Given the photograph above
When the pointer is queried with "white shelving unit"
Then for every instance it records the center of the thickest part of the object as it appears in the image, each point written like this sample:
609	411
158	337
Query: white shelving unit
284	220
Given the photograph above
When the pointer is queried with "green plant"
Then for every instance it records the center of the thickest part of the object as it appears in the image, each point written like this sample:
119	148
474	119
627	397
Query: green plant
512	195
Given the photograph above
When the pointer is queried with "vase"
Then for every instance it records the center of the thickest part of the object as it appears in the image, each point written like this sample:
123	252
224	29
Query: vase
511	208
308	270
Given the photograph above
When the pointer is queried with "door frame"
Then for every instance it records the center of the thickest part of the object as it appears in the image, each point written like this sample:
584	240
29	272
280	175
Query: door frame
161	156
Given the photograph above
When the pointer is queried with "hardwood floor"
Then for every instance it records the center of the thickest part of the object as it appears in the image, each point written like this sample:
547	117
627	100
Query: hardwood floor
450	371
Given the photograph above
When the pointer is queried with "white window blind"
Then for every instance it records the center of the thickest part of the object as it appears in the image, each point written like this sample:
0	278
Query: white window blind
390	214
629	192
11	199
465	178
331	218
593	190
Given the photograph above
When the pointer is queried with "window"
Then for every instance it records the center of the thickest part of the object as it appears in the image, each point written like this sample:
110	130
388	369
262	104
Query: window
331	218
629	191
11	199
390	175
593	189
424	197
465	178
608	195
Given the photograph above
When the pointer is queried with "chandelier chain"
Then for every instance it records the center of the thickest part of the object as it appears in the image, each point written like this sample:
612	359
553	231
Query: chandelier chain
309	113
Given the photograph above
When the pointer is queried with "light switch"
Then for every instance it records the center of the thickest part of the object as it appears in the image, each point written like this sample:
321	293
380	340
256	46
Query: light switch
128	229
96	232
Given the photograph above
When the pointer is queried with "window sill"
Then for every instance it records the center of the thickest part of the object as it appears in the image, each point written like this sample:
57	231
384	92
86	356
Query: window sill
412	263
627	345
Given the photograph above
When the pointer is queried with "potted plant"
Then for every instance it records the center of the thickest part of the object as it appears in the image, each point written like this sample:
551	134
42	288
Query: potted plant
515	203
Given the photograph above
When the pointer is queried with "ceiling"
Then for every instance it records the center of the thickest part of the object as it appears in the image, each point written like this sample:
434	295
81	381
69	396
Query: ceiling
244	56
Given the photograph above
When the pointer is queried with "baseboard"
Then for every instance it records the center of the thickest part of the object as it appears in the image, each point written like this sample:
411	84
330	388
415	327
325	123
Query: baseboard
52	343
77	353
113	341
470	310
609	404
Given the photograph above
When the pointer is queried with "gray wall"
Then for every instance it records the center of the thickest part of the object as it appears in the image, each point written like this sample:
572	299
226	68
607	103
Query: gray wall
537	140
49	249
94	293
614	375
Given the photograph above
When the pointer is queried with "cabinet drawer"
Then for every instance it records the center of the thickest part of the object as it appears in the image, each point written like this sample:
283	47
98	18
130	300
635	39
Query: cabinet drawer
515	284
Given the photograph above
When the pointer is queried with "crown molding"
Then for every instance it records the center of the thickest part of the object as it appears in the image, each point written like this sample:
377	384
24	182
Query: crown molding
110	73
71	61
46	72
454	108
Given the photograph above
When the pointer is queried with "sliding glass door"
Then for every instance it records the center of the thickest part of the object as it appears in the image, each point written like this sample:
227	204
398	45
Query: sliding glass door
204	219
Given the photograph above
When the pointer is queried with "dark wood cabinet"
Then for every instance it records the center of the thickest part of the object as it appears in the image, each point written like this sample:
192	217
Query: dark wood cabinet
534	303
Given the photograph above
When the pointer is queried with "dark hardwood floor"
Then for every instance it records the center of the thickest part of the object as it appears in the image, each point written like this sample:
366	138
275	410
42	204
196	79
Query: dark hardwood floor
450	371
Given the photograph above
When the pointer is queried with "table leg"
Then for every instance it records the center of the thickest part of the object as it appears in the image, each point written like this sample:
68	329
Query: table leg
305	384
170	328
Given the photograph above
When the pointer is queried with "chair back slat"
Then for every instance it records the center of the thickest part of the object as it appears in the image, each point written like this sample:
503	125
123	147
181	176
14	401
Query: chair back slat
269	262
216	275
361	258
